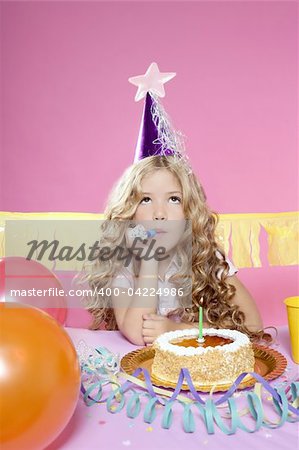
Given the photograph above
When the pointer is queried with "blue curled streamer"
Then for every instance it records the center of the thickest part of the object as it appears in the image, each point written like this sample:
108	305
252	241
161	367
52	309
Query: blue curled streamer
202	412
219	421
188	419
150	412
133	406
167	415
88	399
256	410
282	410
295	396
207	409
235	419
295	390
209	422
110	400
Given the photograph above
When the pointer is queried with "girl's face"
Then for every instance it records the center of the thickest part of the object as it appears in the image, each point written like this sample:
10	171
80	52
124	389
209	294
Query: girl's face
161	207
162	197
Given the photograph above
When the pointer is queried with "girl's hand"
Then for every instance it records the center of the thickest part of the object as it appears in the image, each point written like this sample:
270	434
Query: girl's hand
154	325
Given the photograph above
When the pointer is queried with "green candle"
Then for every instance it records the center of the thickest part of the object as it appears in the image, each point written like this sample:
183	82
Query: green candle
200	336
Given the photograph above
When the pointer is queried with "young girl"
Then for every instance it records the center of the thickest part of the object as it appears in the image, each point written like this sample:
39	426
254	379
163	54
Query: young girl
160	189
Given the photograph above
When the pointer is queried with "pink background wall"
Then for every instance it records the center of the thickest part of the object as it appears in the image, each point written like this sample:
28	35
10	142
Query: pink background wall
70	123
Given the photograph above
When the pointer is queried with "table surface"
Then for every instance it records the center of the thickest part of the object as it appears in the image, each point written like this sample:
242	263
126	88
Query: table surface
93	427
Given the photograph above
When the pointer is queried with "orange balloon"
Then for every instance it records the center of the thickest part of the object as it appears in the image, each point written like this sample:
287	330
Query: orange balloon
39	378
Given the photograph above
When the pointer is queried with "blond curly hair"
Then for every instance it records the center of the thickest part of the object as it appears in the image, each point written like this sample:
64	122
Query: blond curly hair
121	206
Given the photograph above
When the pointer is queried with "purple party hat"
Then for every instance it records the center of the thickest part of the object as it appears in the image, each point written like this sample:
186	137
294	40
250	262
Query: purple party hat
156	135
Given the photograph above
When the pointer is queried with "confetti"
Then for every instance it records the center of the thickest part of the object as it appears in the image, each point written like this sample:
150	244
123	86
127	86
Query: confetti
267	435
102	422
126	443
205	442
149	429
130	425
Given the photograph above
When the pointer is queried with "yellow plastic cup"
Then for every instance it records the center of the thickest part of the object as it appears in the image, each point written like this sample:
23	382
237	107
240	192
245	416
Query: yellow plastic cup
292	304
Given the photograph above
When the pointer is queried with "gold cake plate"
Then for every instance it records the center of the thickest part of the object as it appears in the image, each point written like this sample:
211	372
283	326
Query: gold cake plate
269	363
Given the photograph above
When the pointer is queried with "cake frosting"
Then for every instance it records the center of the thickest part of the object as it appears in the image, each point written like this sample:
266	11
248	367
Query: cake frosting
223	356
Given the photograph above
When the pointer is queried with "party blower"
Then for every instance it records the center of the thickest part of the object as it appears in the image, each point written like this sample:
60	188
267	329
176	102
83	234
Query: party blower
140	232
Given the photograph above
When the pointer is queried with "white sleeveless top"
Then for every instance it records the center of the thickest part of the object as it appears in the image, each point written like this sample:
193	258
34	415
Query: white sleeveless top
167	303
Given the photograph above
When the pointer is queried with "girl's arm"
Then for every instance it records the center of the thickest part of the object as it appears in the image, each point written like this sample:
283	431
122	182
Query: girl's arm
129	310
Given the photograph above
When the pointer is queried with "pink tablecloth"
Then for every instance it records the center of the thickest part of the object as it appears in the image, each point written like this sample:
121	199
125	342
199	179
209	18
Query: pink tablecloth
95	428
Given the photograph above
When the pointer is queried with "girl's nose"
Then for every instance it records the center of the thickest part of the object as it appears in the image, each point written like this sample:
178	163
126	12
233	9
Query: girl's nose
159	215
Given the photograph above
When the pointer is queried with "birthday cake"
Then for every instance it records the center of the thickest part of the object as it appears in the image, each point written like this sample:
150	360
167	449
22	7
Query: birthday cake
222	356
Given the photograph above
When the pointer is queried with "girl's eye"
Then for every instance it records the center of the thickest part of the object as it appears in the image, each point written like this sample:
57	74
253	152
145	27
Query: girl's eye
176	198
145	198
